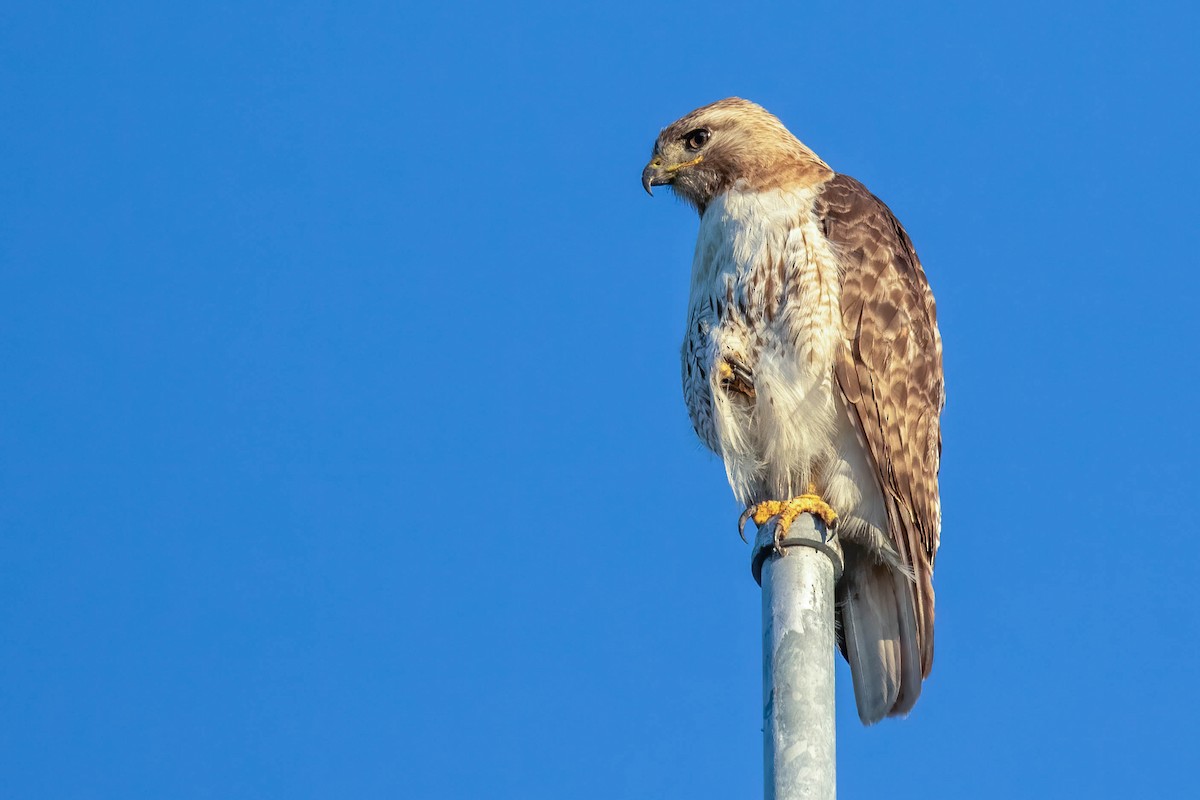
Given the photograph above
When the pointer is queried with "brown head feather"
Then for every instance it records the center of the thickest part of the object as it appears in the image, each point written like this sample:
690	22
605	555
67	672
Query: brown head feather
746	146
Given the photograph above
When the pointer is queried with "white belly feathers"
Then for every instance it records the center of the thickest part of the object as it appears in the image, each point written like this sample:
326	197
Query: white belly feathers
765	299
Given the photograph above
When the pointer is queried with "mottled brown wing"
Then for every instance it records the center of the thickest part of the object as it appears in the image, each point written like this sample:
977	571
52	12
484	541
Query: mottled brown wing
890	371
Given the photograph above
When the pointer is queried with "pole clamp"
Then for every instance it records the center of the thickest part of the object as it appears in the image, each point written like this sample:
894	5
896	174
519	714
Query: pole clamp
806	531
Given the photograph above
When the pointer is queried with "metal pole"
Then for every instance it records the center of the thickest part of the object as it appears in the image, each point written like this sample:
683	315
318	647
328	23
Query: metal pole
798	643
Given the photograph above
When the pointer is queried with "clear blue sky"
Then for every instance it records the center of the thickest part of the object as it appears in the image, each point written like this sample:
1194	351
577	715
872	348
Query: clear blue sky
342	448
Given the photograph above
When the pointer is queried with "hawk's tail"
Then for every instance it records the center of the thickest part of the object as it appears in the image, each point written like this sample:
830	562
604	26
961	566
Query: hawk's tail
881	636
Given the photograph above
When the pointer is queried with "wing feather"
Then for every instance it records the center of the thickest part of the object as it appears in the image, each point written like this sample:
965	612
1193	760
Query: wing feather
890	371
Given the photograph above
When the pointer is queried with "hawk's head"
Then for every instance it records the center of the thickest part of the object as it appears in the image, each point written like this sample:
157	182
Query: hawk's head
730	142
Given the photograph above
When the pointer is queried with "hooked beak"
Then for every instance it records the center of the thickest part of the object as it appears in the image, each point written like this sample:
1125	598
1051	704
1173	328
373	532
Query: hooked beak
655	174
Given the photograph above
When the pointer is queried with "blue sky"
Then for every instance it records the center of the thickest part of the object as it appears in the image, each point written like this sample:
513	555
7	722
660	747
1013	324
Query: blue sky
343	449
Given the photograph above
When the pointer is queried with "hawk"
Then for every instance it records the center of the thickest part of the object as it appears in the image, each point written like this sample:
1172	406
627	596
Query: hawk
812	364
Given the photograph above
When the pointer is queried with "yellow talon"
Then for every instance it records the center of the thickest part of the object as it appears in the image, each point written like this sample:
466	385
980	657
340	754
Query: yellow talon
787	511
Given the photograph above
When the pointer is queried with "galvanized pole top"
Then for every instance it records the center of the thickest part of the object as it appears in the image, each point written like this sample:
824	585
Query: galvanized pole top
806	531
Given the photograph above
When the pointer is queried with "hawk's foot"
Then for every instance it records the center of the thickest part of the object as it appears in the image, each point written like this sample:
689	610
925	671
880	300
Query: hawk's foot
787	511
734	376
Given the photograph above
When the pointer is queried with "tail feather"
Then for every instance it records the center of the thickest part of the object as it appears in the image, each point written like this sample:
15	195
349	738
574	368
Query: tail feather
911	675
881	637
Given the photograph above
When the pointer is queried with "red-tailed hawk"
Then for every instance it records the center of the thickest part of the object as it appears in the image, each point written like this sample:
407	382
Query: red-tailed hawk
812	365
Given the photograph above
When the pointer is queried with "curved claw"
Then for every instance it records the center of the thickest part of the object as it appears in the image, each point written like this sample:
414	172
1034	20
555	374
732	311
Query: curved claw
831	530
749	512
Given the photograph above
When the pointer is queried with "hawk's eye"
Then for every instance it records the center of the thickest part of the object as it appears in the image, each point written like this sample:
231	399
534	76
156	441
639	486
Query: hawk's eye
696	139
